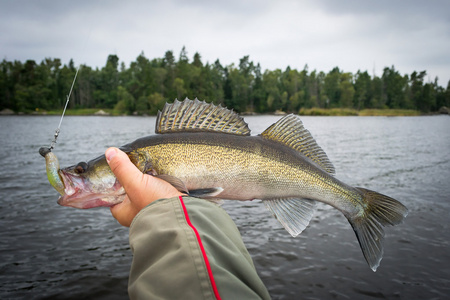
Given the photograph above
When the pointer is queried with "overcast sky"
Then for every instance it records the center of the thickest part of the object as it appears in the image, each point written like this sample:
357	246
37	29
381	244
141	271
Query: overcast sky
353	35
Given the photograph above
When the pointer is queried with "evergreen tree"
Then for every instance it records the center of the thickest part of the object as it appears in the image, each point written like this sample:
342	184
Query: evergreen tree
145	85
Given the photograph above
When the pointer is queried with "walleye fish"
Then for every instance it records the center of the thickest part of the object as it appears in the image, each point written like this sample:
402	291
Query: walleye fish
207	151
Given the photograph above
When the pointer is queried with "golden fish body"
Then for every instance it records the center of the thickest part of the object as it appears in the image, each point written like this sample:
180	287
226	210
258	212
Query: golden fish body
243	167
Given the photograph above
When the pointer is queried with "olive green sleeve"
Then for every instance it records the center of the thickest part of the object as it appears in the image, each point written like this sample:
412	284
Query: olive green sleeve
189	248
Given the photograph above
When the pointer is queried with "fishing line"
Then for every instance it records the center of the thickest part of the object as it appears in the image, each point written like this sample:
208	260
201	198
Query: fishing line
57	131
52	145
51	161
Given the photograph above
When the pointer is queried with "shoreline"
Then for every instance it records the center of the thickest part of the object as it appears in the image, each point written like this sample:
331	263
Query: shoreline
303	112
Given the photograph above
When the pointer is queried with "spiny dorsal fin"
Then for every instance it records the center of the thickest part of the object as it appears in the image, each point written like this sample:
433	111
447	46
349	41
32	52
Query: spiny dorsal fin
290	131
194	115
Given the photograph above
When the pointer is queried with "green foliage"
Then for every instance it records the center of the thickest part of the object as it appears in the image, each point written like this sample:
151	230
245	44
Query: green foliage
388	112
328	112
156	102
126	103
146	85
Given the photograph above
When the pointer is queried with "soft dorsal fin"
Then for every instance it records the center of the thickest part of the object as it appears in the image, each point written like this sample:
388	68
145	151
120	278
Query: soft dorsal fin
195	115
290	131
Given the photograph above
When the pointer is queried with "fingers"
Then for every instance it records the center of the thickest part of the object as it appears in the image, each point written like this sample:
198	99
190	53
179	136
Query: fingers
124	212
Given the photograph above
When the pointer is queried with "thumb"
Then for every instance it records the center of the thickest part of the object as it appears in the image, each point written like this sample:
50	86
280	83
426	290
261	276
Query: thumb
141	189
126	172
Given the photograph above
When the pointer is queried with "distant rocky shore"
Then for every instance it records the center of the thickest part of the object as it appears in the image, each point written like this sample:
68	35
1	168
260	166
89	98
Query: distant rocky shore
6	112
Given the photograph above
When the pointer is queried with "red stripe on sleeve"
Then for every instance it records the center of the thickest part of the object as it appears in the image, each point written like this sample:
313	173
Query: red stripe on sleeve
205	257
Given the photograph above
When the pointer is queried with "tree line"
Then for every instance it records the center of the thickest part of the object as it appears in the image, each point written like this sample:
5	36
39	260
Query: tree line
145	85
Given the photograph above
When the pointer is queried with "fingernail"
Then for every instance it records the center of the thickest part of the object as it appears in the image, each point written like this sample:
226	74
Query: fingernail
110	153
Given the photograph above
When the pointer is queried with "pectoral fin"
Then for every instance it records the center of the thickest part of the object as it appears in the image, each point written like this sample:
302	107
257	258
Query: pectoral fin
293	214
177	183
206	193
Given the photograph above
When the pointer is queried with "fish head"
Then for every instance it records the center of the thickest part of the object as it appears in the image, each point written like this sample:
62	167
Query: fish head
91	184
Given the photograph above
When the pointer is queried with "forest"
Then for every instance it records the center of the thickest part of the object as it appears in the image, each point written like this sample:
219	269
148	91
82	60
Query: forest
146	84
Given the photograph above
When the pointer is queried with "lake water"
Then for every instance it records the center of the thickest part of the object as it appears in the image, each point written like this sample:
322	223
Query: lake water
53	252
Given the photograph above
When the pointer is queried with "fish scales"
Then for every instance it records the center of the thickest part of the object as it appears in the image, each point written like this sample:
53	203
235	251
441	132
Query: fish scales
273	170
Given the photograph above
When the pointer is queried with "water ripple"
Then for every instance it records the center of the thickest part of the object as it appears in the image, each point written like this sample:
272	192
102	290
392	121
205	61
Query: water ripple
52	252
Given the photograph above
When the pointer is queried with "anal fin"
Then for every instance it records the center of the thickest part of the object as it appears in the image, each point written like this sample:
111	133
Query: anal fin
294	214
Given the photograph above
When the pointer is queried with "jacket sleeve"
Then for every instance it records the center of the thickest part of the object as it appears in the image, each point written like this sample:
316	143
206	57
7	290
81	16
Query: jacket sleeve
189	248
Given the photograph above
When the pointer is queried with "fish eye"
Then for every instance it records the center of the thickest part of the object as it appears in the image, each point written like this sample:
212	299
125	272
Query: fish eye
81	167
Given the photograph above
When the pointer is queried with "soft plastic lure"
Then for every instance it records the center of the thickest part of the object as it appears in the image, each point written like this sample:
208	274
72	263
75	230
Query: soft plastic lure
52	166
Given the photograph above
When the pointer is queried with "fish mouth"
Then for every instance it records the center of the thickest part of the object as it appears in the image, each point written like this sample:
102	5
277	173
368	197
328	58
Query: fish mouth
78	194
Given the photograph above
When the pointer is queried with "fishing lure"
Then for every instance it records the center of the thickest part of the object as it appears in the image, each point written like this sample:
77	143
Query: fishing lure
52	166
51	161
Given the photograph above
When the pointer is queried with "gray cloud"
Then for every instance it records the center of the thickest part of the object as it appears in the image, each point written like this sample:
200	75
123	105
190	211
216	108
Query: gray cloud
353	35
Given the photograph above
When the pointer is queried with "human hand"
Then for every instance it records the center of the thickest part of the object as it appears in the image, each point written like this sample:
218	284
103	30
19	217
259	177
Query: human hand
142	189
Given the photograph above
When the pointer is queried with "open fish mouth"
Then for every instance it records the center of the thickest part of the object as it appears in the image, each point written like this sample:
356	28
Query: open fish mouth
78	194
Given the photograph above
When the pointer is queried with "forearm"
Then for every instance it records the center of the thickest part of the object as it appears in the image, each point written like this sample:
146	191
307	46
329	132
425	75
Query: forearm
190	248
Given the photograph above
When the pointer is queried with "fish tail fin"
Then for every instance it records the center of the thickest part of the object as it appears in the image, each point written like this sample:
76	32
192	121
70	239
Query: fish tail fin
380	211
